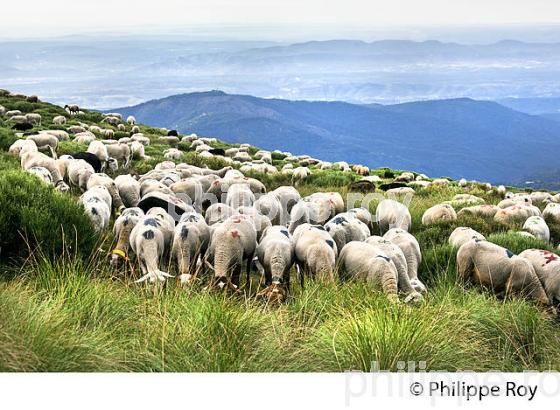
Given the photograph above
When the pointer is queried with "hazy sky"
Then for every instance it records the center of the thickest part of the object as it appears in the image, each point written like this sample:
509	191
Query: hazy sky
34	18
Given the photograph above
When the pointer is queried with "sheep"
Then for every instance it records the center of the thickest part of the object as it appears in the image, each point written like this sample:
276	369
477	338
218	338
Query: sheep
112	120
498	269
242	156
275	257
308	212
79	172
392	214
411	249
552	211
218	212
464	200
45	141
440	182
76	129
260	222
462	182
33	118
536	226
2	110
131	120
97	207
141	139
72	108
120	152
300	174
135	130
19	119
100	151
405	177
121	230
517	199
60	134
149	240
121	127
172	153
190	240
315	251
364	261
393	252
485	211
190	189
547	267
538	198
12	113
439	213
30	158
84	138
129	190
239	195
109	134
288	196
462	235
232	241
269	206
19	145
107	182
42	173
202	148
344	228
173	141
516	213
32	99
137	150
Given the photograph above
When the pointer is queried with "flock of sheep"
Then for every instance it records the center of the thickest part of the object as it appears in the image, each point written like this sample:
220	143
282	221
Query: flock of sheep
196	220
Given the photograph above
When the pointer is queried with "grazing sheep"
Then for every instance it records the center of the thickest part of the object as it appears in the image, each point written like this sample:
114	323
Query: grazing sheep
129	190
411	249
516	213
42	173
439	213
131	120
539	198
84	138
33	118
149	240
462	182
288	197
30	158
232	242
516	199
485	211
500	270
464	200
364	261
12	113
315	251
120	152
121	230
190	240
106	181
440	182
218	213
239	195
100	151
141	139
173	141
22	144
462	235
392	214
300	174
405	177
135	130
137	150
269	206
60	134
96	208
172	153
552	210
536	226
547	268
72	108
112	120
308	212
393	252
275	257
19	119
344	228
43	141
79	171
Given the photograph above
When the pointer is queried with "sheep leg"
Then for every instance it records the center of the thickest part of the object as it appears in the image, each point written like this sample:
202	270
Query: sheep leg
248	272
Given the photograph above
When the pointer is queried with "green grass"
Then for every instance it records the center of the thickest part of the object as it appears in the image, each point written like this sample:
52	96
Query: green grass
62	311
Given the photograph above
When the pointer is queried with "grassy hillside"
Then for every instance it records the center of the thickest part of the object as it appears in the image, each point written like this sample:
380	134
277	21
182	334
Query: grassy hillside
74	313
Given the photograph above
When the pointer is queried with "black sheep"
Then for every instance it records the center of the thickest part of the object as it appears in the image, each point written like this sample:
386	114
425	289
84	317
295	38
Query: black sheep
172	133
90	159
386	187
217	151
22	127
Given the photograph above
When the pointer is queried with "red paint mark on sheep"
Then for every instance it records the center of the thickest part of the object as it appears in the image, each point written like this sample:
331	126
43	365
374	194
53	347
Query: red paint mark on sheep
235	234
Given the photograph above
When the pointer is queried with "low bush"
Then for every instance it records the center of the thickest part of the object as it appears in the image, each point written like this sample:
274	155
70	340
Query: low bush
35	215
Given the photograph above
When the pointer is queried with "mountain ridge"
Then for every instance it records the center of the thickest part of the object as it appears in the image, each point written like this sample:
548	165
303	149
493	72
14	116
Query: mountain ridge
474	139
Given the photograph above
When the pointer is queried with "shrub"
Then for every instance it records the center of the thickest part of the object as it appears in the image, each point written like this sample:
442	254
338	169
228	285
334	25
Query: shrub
7	138
34	212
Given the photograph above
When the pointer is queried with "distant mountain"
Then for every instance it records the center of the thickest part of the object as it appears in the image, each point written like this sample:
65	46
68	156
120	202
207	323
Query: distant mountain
540	106
457	138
